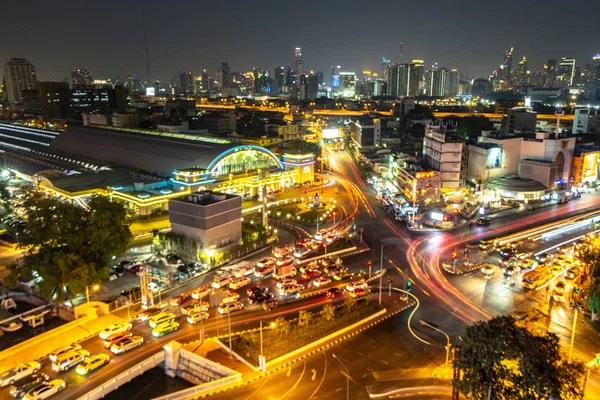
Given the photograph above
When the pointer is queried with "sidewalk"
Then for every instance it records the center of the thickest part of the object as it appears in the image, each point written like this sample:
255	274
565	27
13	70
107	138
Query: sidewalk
39	347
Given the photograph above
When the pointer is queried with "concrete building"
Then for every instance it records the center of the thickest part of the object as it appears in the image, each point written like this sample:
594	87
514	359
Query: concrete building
220	124
81	77
19	75
443	151
452	83
566	70
54	100
585	164
211	219
519	120
580	120
366	131
348	84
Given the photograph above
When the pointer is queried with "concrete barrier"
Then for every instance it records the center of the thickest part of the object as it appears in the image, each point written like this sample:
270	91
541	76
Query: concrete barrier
124	377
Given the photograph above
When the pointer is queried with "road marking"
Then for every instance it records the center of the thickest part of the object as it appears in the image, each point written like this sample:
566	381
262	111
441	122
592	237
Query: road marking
322	379
286	394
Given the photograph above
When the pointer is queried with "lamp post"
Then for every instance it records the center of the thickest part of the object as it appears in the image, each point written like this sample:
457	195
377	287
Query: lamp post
347	376
262	357
573	332
433	326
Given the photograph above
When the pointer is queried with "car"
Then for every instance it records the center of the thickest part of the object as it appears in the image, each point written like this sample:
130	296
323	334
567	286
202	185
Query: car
221	281
173	259
148	313
197	316
115	328
117	270
115	337
261	272
238	283
162	329
253	291
63	350
161	319
46	390
270	304
311	273
321	281
356	285
527	263
284	282
301	251
69	360
506	251
19	372
226	308
484	221
92	363
334	292
290	289
243	271
229	296
195	307
266	261
358	293
126	344
287	260
542	258
200	292
512	270
559	292
131	291
259	297
571	273
342	275
26	385
488	270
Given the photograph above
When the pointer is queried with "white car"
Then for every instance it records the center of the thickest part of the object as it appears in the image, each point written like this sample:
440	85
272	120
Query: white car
195	307
19	372
200	292
243	271
290	289
63	350
230	296
226	308
287	260
356	285
46	390
115	328
321	281
285	282
238	283
197	316
301	251
265	261
221	281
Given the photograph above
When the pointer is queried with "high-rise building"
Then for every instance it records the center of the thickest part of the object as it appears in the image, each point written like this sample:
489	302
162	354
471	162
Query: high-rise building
279	81
309	86
399	80
19	75
81	77
481	87
202	84
54	100
298	60
596	69
521	75
348	84
386	65
186	83
262	81
335	75
437	82
415	78
550	69
225	78
566	70
452	83
504	72
289	79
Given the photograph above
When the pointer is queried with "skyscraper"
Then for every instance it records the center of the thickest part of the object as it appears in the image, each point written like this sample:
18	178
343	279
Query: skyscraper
521	76
225	78
596	70
298	59
385	68
19	75
335	75
348	84
186	83
399	80
416	72
278	81
452	83
202	83
81	77
550	70
505	69
437	82
566	70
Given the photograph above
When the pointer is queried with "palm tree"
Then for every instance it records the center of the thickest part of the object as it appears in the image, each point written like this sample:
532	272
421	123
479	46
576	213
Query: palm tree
64	276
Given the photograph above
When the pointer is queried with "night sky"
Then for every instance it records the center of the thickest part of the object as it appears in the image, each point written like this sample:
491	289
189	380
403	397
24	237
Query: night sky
107	36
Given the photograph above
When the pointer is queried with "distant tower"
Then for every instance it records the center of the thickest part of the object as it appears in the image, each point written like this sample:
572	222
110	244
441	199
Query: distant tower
298	58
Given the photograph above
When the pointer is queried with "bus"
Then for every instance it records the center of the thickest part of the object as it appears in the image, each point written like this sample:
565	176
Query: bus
536	278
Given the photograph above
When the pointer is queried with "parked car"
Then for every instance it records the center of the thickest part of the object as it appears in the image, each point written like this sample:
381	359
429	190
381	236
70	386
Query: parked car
19	372
126	344
46	390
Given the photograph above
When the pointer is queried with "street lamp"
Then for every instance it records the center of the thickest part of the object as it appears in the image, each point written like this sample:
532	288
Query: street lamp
95	288
272	325
433	326
347	376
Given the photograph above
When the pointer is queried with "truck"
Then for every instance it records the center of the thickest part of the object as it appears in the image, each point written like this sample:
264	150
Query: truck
285	271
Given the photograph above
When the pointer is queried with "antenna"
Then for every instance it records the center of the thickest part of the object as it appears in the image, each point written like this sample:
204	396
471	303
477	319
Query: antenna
401	44
146	44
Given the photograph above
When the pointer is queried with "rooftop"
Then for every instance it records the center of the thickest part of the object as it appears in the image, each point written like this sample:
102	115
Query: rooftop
206	198
514	183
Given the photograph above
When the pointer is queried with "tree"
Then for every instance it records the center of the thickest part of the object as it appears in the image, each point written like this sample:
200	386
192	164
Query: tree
6	198
471	125
282	326
503	361
328	312
304	318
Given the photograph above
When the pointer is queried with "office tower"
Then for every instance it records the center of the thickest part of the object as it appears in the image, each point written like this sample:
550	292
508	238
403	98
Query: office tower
278	81
505	70
399	80
320	79
298	60
452	82
348	84
335	75
202	83
520	75
309	86
81	77
289	79
262	81
385	68
19	75
596	69
566	70
225	78
54	100
550	70
436	82
415	78
186	83
481	87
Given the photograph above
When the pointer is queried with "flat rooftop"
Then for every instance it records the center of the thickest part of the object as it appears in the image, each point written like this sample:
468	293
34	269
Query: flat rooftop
205	198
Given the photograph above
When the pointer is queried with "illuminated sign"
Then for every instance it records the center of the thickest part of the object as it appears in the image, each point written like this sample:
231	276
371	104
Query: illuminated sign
331	133
437	216
590	165
494	158
422	175
150	91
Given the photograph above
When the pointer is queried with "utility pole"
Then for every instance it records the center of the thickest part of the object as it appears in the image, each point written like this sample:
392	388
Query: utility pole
380	274
573	332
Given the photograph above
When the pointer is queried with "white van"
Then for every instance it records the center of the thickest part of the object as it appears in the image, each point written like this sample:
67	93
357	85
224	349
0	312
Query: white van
239	282
70	359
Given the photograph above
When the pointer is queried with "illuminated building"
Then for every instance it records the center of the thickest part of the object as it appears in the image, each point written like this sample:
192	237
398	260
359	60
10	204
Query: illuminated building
451	89
437	82
585	165
185	81
417	187
335	75
279	87
566	70
416	73
54	100
347	84
580	120
201	84
366	131
385	68
19	75
225	78
445	152
399	80
298	60
81	77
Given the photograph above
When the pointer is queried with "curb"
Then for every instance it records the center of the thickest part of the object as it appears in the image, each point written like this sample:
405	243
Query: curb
323	347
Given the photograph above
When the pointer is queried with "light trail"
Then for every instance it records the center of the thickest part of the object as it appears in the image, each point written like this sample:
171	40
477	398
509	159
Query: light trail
416	299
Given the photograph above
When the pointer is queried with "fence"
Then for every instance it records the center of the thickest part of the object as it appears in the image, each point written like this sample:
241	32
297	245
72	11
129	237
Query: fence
123	378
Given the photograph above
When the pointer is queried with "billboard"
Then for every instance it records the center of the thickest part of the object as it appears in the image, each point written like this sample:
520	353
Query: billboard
494	158
331	133
150	91
590	166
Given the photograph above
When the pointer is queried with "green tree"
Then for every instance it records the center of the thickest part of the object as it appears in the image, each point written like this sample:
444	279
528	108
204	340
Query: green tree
282	326
328	312
304	318
6	199
471	125
500	360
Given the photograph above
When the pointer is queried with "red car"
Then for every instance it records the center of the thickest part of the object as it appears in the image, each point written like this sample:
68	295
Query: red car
311	273
115	337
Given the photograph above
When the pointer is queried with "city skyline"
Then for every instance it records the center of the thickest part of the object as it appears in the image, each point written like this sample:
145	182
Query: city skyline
182	44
